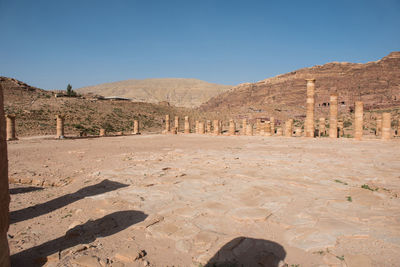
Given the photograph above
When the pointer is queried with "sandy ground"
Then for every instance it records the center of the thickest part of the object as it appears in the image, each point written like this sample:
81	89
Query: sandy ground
192	200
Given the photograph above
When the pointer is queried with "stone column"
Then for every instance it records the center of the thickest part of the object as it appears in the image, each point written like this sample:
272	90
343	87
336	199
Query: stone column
4	193
208	126
272	120
333	115
176	124
386	126
60	126
258	126
309	123
358	120
136	127
167	124
232	127
102	132
221	126
216	127
201	127
398	128
244	126
321	130
289	128
267	131
340	128
279	131
187	125
249	129
378	125
297	131
196	127
10	127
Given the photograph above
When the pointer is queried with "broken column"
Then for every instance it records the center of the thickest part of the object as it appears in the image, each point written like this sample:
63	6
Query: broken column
10	127
201	127
378	130
60	126
4	193
340	128
272	120
232	127
102	132
196	129
216	127
208	126
321	128
358	120
167	124
333	115
289	128
258	126
136	127
176	124
267	131
398	128
187	125
309	123
249	129
244	126
279	131
386	126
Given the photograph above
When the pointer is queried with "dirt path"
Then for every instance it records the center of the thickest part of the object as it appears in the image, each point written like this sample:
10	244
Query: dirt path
190	200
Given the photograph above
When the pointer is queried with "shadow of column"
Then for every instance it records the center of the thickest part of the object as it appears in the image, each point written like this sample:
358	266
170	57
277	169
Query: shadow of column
43	208
81	234
245	251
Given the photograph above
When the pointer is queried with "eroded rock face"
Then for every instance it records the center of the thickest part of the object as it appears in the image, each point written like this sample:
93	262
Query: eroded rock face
4	195
377	84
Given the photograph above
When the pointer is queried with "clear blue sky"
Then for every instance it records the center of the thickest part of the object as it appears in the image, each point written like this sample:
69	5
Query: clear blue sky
51	43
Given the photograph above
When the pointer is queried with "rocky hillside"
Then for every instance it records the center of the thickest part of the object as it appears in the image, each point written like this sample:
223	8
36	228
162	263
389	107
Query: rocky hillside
36	109
376	83
178	92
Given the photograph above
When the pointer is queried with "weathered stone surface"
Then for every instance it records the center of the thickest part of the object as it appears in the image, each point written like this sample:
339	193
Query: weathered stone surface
357	260
87	261
309	123
255	214
130	254
358	120
60	126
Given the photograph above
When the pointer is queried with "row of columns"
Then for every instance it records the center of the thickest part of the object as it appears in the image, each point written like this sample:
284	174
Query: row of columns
11	133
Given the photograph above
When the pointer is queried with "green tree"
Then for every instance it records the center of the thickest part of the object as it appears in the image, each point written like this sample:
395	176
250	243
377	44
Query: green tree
70	92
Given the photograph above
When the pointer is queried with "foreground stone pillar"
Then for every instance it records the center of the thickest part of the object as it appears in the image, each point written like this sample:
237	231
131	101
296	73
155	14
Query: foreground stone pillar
167	124
196	127
289	128
378	130
60	126
358	120
208	126
333	115
309	123
102	132
279	131
176	124
187	125
321	129
297	131
10	127
398	128
201	128
136	127
340	128
249	129
244	126
386	126
267	131
221	126
216	127
272	120
232	127
4	193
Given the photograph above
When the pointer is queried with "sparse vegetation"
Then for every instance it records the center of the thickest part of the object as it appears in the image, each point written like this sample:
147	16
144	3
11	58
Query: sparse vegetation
340	182
365	186
349	199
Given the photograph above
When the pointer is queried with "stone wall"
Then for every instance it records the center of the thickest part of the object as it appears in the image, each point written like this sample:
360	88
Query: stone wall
4	194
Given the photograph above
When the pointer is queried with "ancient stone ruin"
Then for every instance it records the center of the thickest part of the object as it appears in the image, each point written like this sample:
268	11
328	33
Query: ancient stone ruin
10	127
309	123
60	126
333	115
187	125
136	127
386	126
358	120
232	127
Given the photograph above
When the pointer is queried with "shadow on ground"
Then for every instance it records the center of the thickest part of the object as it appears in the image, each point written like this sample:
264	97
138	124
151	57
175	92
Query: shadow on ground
81	234
245	251
40	209
21	190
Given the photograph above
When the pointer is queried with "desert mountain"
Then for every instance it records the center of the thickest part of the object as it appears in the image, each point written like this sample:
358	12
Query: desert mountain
376	83
177	91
